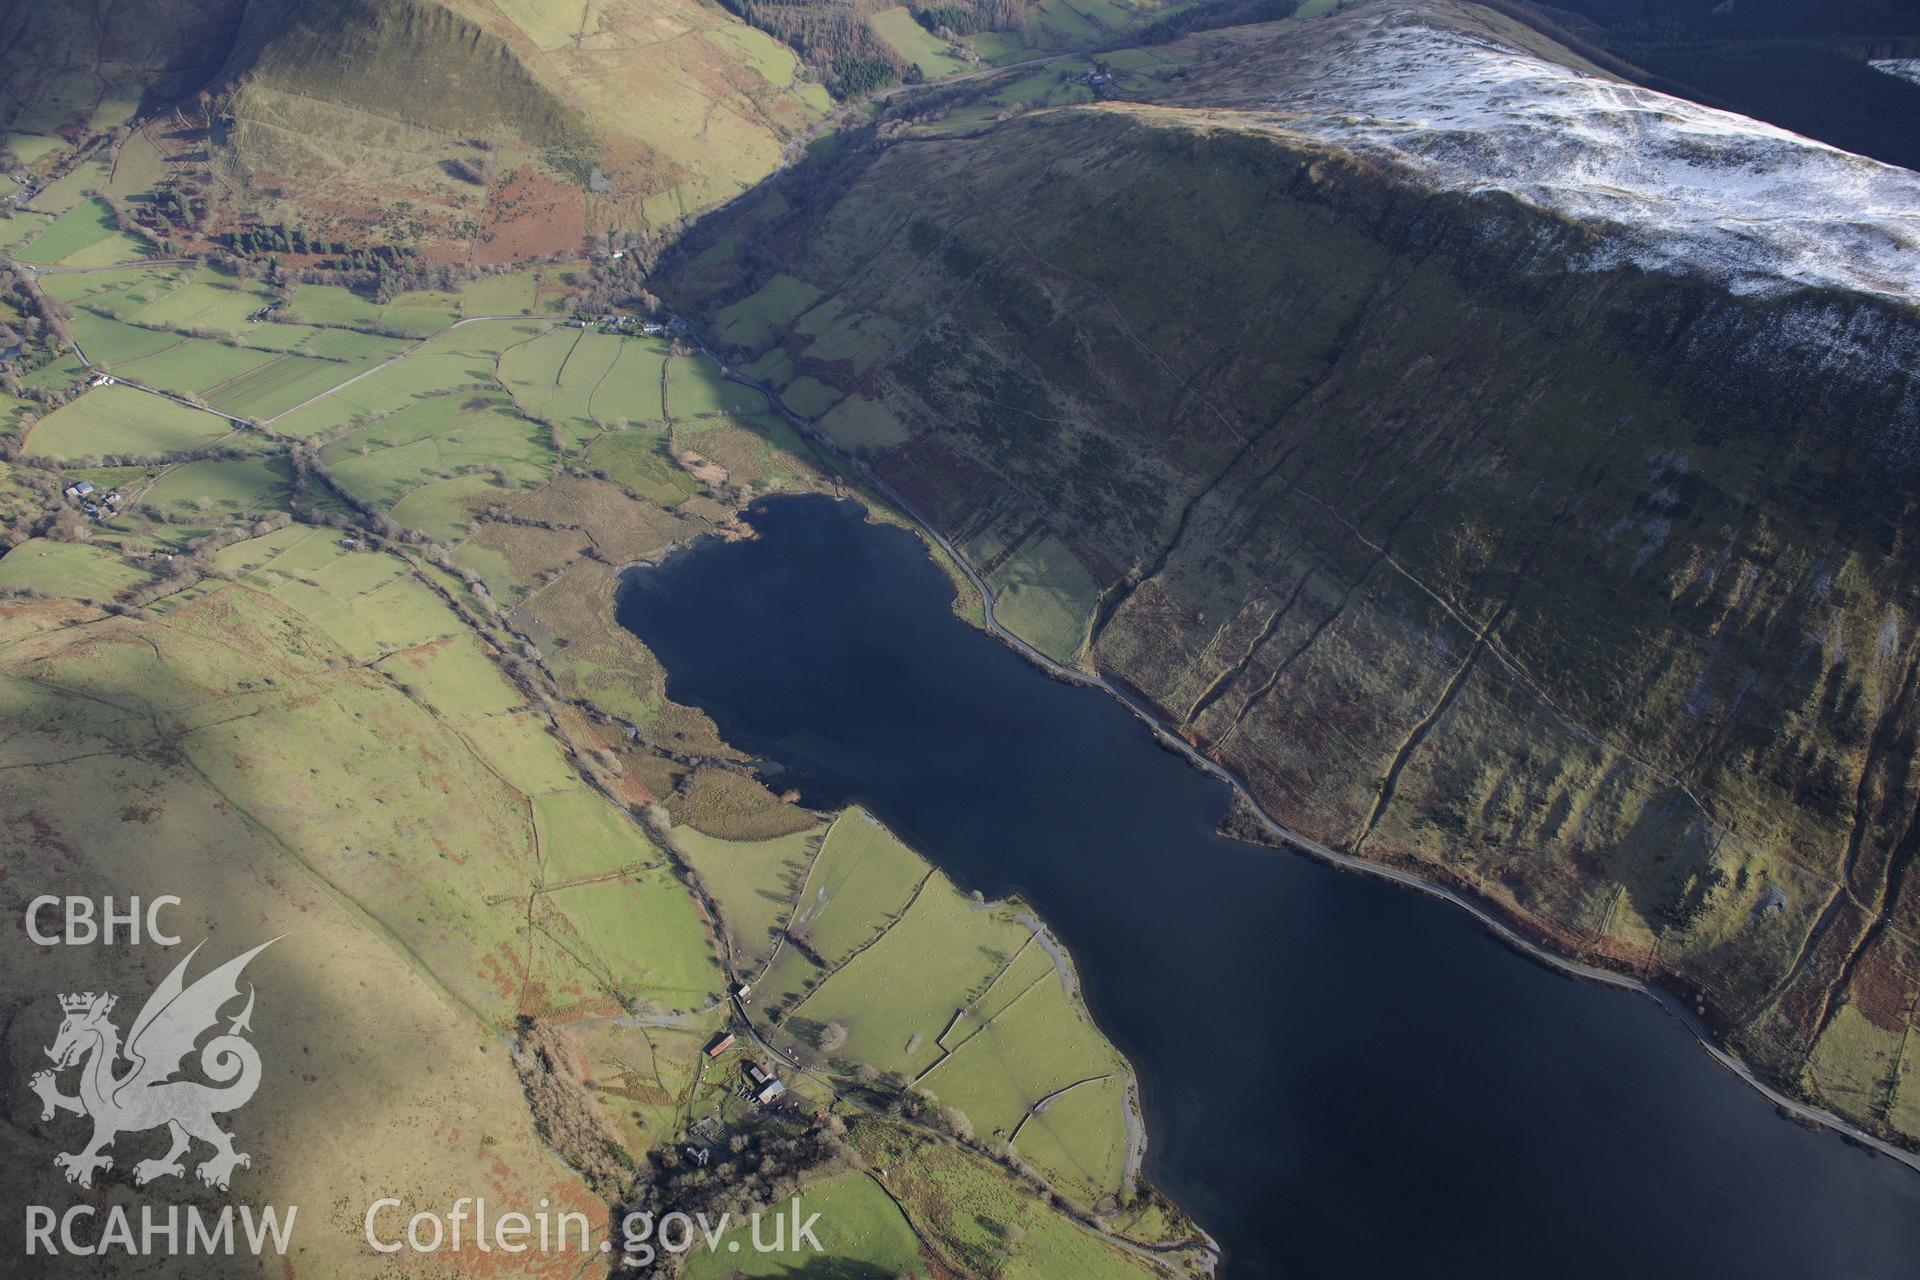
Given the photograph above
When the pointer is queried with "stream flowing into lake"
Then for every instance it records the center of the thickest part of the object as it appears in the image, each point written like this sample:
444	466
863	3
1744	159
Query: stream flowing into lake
1340	1077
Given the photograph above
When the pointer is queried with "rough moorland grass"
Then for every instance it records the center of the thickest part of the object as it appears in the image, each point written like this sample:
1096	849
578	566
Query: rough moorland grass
122	420
388	1068
733	806
454	677
518	747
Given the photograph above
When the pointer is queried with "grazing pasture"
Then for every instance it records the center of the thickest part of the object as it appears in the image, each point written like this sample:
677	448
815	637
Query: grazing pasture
121	420
861	1230
639	459
755	881
756	320
223	486
695	389
66	569
1044	595
87	223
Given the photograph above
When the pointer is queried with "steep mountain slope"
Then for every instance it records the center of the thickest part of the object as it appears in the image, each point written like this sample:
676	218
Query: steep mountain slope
474	131
1451	487
508	123
67	68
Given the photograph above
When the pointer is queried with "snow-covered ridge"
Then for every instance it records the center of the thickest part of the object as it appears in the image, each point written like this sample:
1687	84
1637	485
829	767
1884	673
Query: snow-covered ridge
1680	187
1904	68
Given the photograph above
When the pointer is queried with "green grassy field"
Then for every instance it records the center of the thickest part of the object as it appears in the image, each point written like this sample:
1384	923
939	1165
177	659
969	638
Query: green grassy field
87	223
69	192
111	343
967	1207
581	838
756	883
499	295
195	366
557	378
640	930
350	722
270	389
432	440
757	320
638	458
960	997
583	381
120	419
436	371
222	486
861	1233
864	428
809	397
632	387
775	368
915	44
856	342
415	315
23	226
1045	596
67	569
864	878
695	388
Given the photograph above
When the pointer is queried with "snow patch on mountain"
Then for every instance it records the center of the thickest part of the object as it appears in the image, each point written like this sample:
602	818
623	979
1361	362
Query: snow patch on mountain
1676	186
1904	68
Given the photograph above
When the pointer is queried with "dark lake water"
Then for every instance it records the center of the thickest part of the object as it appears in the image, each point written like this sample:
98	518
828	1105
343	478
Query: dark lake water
1341	1078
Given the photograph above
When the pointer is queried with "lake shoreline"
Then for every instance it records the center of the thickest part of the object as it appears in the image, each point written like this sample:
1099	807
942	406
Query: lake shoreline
959	607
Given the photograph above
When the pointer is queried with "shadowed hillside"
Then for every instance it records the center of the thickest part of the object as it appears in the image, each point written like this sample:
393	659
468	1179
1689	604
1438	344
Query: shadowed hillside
1475	544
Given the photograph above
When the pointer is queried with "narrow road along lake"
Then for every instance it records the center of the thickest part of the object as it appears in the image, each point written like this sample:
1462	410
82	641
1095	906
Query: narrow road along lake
1341	1077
